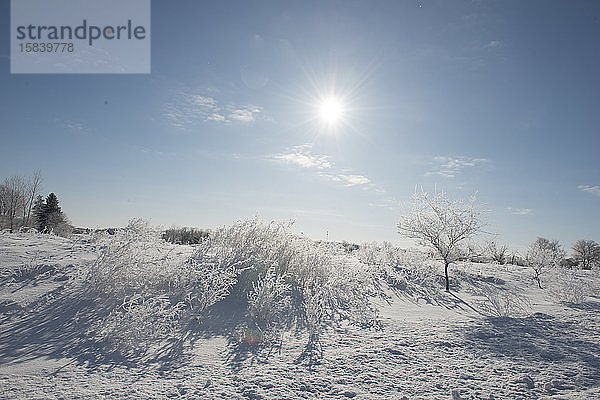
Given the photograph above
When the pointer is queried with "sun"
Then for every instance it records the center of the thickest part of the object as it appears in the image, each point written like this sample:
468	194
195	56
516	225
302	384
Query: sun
331	111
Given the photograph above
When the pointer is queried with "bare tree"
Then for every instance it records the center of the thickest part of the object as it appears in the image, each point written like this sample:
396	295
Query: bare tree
33	188
442	224
3	202
542	255
14	192
586	253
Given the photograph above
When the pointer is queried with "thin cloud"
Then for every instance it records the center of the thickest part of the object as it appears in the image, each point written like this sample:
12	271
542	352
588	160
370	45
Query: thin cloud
347	180
389	204
74	127
322	165
245	114
590	189
187	108
450	167
216	117
302	157
519	211
157	153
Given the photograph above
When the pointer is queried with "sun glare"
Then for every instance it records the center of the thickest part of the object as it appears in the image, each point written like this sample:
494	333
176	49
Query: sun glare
331	111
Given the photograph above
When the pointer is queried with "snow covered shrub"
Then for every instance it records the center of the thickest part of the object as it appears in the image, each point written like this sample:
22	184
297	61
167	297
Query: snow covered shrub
268	301
504	303
384	261
568	286
134	261
150	289
132	327
288	281
35	268
145	285
33	271
399	268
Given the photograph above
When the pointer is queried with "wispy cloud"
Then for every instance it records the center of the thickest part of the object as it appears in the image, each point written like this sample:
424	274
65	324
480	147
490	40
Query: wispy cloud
73	127
245	114
590	189
301	156
388	203
304	157
187	108
450	167
519	211
347	180
322	165
157	153
495	44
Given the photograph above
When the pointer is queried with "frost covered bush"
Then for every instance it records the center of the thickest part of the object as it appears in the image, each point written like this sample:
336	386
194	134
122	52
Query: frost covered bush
133	326
568	286
385	261
146	287
288	281
283	282
504	303
135	261
401	269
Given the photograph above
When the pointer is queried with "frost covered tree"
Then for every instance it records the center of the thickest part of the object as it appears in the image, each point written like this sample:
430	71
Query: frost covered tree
586	253
542	255
442	224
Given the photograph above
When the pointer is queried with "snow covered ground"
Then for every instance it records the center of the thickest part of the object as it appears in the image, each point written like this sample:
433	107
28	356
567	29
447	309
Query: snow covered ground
431	345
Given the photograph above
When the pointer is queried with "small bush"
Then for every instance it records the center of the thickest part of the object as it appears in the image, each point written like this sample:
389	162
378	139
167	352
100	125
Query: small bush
145	286
504	303
408	270
131	328
567	286
288	281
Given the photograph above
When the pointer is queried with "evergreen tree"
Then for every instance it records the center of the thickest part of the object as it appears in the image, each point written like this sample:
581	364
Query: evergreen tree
52	215
52	204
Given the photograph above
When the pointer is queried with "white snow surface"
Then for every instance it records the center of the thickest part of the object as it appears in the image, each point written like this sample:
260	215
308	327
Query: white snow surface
435	346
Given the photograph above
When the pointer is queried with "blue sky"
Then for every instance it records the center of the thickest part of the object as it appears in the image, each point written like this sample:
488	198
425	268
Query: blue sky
500	98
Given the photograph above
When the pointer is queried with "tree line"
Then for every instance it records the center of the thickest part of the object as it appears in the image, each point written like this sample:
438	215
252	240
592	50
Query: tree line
22	206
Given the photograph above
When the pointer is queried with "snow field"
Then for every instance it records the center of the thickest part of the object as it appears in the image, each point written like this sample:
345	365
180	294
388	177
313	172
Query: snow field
117	317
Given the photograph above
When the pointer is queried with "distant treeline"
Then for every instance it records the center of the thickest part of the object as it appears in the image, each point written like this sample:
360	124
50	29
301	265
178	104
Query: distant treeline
185	235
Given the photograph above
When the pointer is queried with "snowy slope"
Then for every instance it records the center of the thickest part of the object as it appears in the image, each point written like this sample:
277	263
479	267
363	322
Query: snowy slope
431	345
